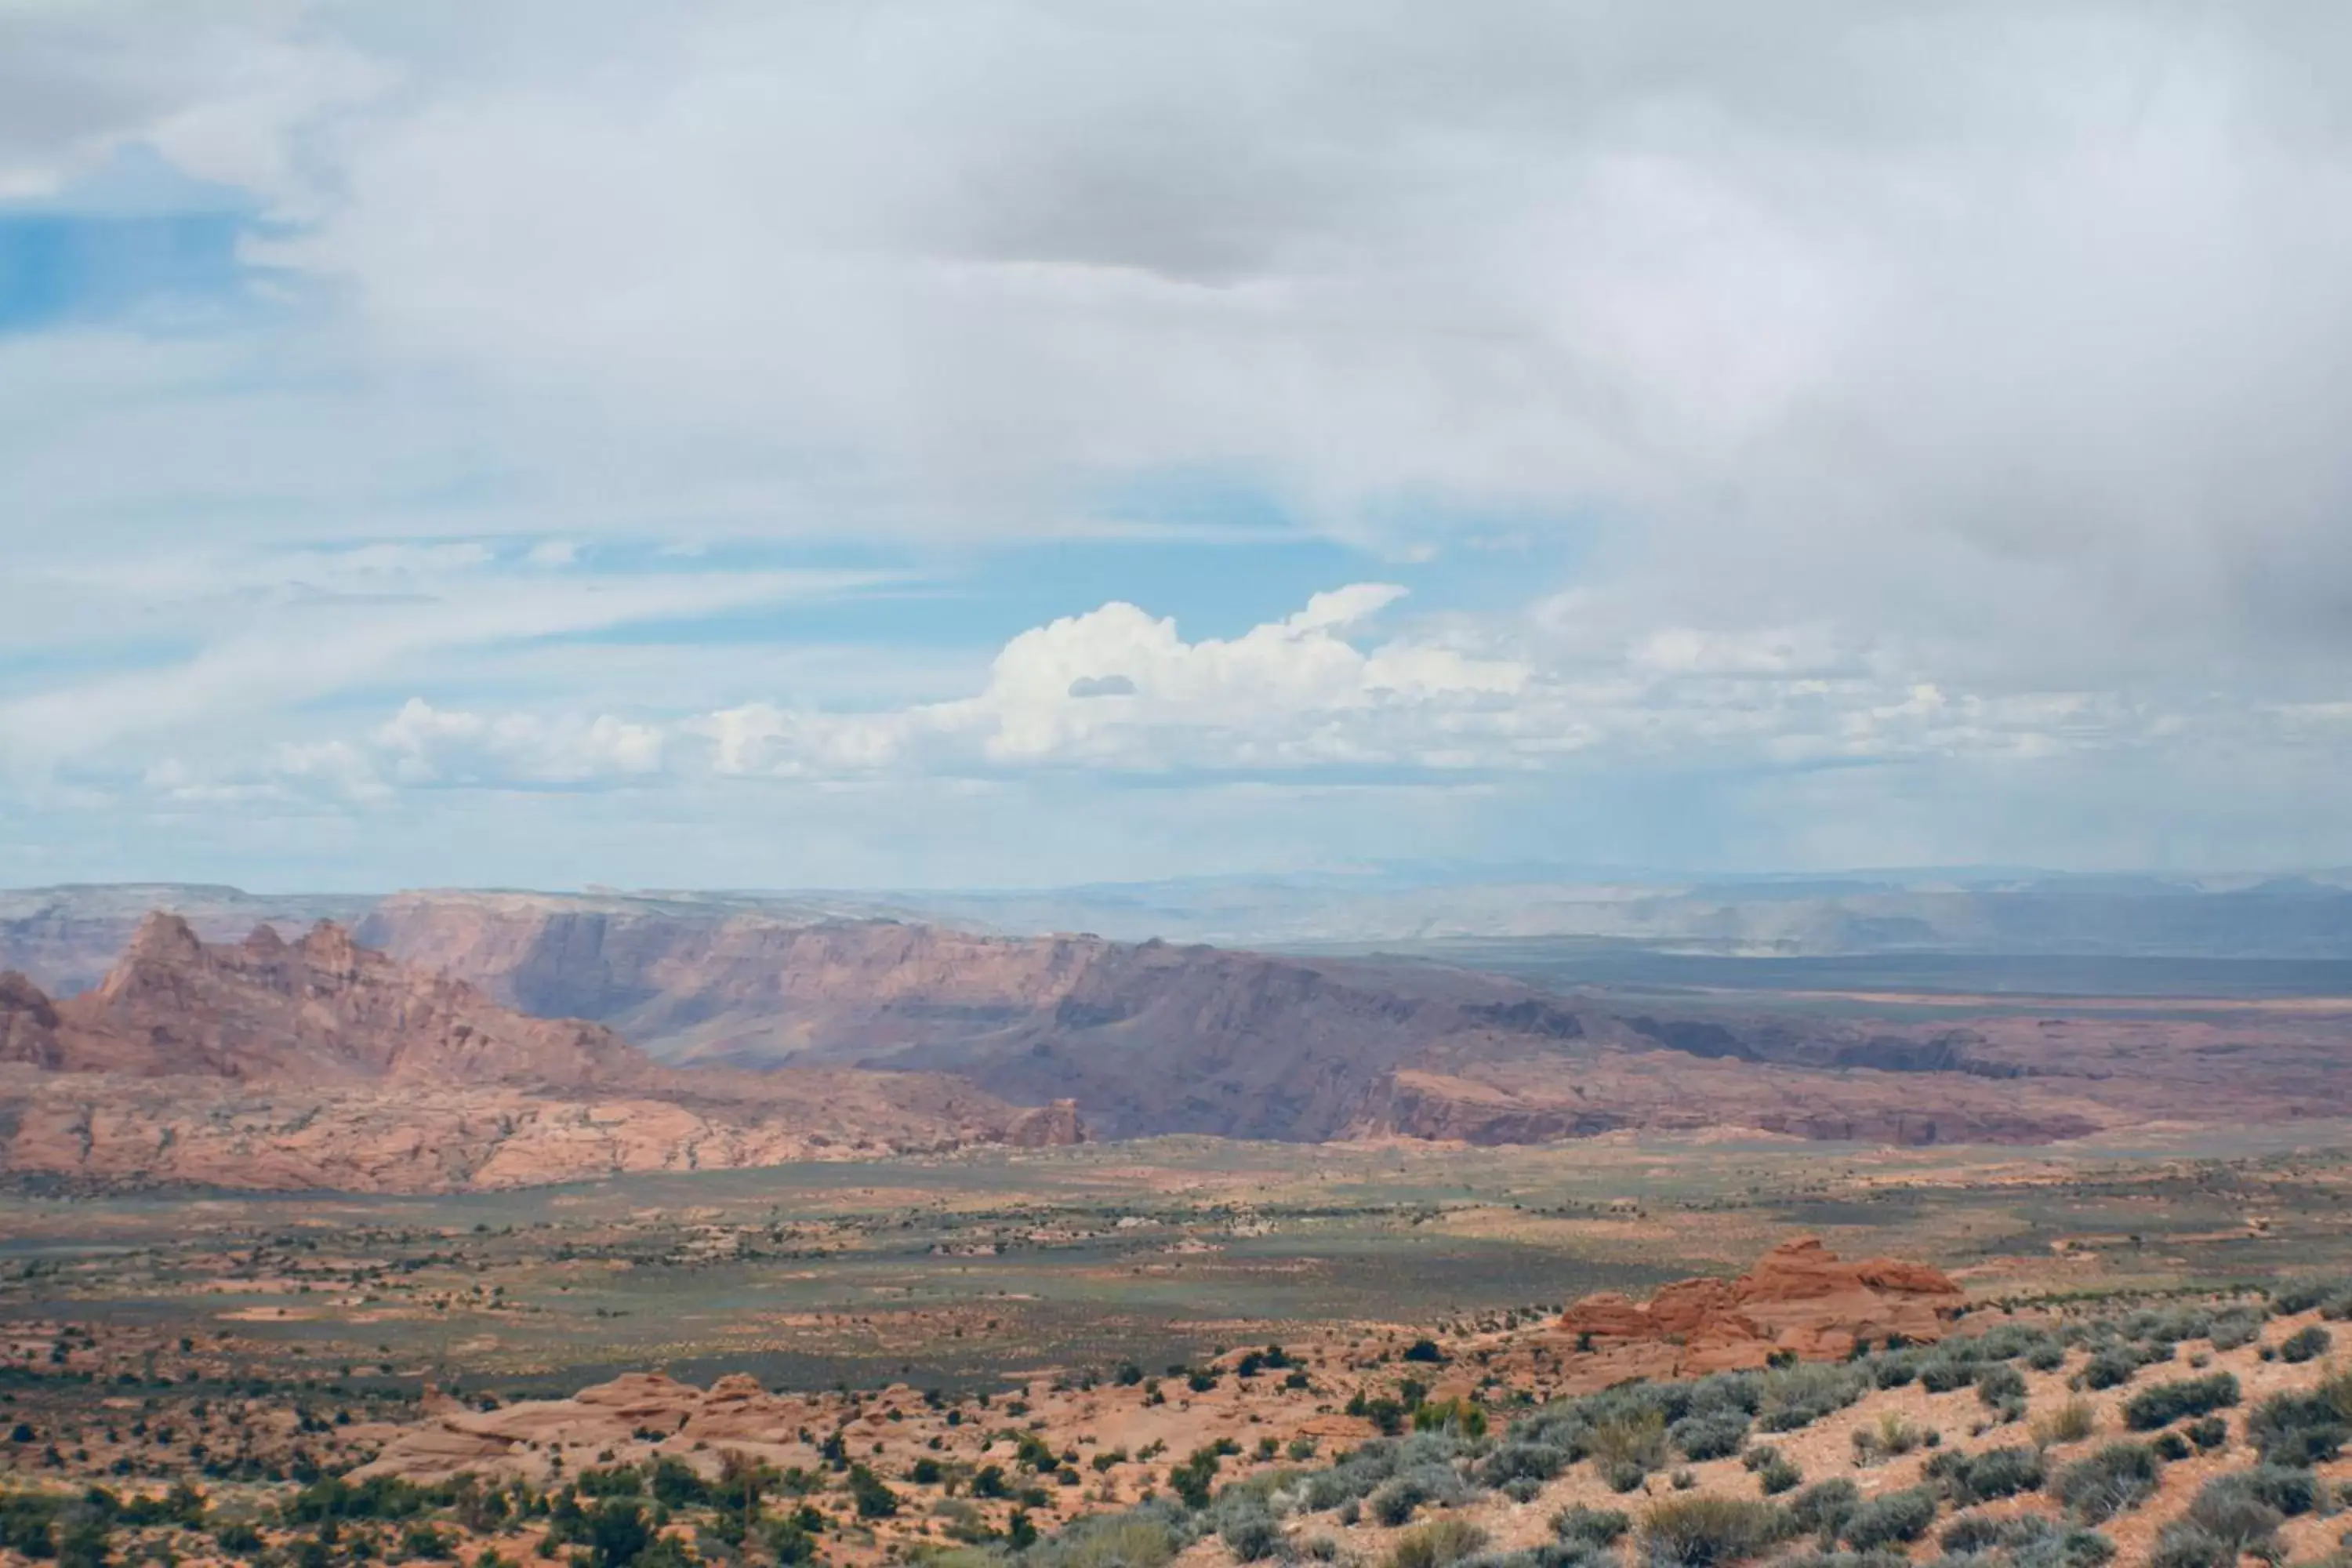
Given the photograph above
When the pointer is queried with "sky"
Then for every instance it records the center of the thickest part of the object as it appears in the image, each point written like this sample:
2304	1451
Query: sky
934	443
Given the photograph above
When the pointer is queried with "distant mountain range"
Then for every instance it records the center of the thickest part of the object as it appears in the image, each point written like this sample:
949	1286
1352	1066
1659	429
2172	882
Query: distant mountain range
474	1038
64	937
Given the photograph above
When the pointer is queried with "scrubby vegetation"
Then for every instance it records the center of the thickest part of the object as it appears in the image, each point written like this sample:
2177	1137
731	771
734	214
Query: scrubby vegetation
2166	1403
1698	1471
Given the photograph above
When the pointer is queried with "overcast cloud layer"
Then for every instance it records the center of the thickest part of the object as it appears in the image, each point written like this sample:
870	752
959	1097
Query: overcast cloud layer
931	443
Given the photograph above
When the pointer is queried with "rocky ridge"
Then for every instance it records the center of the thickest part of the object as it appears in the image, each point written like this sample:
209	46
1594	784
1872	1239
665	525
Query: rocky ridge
1152	1037
322	1064
1800	1299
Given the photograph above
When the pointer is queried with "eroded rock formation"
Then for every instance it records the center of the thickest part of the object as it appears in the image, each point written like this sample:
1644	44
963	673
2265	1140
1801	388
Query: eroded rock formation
1800	1299
319	1063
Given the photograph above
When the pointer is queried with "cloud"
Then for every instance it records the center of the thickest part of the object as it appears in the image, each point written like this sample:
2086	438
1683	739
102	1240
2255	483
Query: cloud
2049	296
427	745
1943	398
275	630
221	90
1120	689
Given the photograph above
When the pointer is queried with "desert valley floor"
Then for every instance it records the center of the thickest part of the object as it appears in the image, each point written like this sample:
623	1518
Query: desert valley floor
504	1228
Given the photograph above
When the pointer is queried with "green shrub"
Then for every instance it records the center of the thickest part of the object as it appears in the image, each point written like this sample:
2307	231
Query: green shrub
2166	1403
2302	1295
2299	1428
617	1532
1143	1537
2304	1344
1702	1530
2208	1433
872	1496
1250	1535
2236	1327
1892	1519
1982	1477
1582	1526
2069	1423
1397	1499
1519	1460
1192	1480
2110	1368
1945	1370
2025	1537
422	1540
2185	1545
1999	1384
238	1539
1823	1508
1795	1397
2232	1512
1779	1475
2119	1477
1628	1437
1439	1543
1715	1435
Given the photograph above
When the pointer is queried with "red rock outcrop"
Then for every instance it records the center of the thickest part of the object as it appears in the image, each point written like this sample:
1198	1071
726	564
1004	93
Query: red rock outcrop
629	1413
318	1012
28	1024
1800	1299
321	1064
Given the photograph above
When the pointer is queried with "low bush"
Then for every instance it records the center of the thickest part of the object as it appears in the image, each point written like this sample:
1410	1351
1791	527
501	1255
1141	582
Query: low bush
1627	1437
1437	1544
2230	1513
1792	1398
2117	1477
2069	1423
1396	1499
1999	1384
1944	1371
1823	1508
2166	1403
1514	1461
2290	1490
2302	1295
1582	1526
2027	1540
1143	1537
1892	1437
1779	1475
2185	1545
1894	1368
1704	1529
2110	1368
2235	1328
1714	1434
1251	1536
2302	1428
1891	1520
2304	1344
1980	1477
